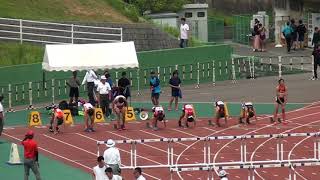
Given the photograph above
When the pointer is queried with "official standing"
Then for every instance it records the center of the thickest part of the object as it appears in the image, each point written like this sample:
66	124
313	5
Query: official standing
74	84
1	115
112	157
124	85
184	28
155	88
89	78
30	156
105	95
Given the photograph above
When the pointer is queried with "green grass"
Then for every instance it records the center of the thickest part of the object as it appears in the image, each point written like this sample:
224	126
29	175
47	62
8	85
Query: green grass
71	10
15	53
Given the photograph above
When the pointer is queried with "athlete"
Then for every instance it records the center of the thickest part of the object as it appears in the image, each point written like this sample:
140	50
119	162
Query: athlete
56	120
188	114
220	113
158	115
88	113
281	100
119	106
247	112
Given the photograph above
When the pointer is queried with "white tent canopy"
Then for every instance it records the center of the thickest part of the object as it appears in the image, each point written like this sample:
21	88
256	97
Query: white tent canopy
71	57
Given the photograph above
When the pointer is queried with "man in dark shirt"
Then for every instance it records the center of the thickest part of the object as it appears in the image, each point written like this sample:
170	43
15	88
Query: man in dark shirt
316	38
30	156
74	84
174	83
124	85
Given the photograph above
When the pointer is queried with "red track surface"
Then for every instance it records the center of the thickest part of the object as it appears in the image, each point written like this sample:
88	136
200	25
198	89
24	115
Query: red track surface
76	148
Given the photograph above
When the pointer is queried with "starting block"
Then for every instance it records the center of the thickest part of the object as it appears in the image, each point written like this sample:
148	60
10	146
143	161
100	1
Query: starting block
34	119
14	158
210	123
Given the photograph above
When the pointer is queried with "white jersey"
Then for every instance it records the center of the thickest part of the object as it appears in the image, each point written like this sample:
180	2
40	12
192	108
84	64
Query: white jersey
118	97
158	109
248	104
87	106
99	173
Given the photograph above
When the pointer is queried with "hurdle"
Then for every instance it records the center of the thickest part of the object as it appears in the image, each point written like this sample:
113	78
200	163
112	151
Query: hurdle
279	159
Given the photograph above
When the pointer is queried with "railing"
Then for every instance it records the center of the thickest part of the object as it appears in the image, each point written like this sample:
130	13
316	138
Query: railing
209	166
30	93
52	33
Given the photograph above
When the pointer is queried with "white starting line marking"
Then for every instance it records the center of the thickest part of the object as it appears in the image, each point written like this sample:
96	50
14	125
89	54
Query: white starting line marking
306	147
271	148
251	142
222	157
302	170
189	175
237	177
314	174
237	149
264	172
276	175
186	159
7	128
258	156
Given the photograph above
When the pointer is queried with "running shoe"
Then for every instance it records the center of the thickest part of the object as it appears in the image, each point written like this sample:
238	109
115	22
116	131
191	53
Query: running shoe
179	123
87	130
92	130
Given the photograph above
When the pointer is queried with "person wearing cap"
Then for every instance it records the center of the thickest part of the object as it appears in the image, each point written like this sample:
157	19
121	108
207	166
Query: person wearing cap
99	170
57	119
30	156
88	113
112	157
1	115
104	91
223	175
220	111
111	175
90	78
188	114
155	88
138	174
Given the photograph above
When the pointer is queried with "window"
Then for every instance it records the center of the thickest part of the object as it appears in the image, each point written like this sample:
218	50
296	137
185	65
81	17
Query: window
188	15
201	14
281	4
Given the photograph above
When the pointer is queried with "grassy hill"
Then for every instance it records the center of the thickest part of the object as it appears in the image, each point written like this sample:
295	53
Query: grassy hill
69	10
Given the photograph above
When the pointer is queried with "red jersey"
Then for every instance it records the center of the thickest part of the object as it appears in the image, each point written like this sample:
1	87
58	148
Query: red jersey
282	88
30	148
188	109
58	113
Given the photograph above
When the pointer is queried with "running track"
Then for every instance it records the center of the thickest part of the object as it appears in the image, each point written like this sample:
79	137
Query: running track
77	148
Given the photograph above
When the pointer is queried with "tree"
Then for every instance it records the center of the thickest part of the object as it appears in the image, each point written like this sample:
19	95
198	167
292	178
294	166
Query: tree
157	6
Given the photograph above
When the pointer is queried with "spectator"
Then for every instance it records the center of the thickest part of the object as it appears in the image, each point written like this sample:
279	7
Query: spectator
99	170
89	78
30	156
174	83
294	35
105	95
155	88
301	29
124	85
184	28
223	175
111	175
316	37
316	63
262	31
112	157
256	33
74	84
109	79
1	115
287	33
138	174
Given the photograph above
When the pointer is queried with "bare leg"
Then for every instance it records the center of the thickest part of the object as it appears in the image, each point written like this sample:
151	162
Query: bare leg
276	111
170	103
176	103
283	113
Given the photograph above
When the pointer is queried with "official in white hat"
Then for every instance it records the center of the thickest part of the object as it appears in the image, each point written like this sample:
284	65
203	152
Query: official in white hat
223	175
112	157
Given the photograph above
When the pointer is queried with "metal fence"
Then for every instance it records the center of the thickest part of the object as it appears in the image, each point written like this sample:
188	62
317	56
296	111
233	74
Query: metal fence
241	31
48	32
215	29
241	162
30	93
